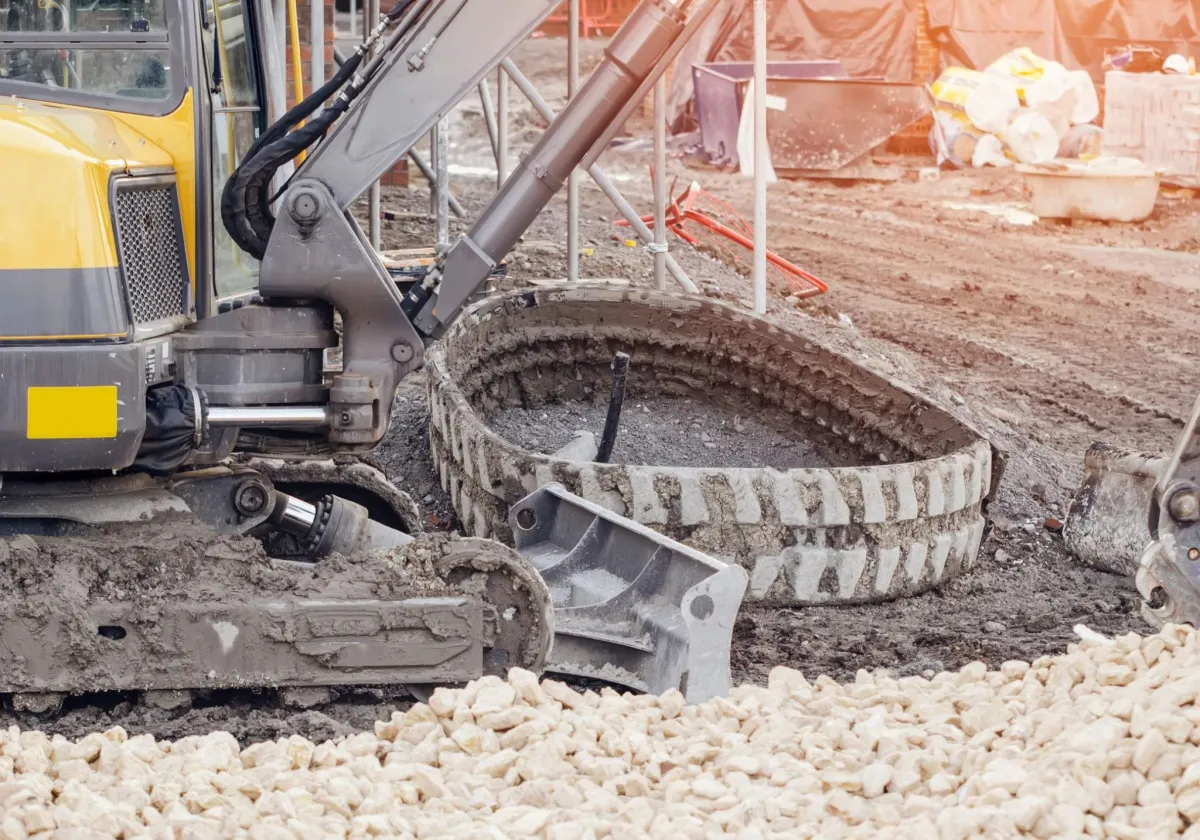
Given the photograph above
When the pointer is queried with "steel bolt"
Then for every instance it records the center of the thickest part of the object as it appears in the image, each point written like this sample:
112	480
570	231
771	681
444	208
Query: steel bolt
1185	506
305	207
402	351
251	498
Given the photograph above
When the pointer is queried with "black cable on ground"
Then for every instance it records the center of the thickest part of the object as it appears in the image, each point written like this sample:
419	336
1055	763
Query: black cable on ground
612	421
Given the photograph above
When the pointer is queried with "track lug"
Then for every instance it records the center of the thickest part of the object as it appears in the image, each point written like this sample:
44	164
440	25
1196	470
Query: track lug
168	699
305	698
38	703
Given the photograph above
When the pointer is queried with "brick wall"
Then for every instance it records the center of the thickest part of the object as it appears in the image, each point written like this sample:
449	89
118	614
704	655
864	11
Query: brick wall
927	59
926	65
304	21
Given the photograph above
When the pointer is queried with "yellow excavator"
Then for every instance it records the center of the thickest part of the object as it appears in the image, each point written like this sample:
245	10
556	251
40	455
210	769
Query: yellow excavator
197	344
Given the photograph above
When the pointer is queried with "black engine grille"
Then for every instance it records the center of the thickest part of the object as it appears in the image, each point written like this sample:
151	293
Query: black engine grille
150	247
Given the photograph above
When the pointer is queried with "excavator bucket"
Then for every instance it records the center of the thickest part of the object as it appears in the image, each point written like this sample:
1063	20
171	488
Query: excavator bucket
1108	522
631	606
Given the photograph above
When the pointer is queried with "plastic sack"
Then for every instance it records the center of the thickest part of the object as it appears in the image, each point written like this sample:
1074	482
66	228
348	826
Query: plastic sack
1030	138
989	151
1052	96
1022	63
1042	84
1087	102
953	138
745	139
987	99
1085	142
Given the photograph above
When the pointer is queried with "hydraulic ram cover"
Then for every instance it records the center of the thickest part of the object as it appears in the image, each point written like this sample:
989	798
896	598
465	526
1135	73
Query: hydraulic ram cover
630	606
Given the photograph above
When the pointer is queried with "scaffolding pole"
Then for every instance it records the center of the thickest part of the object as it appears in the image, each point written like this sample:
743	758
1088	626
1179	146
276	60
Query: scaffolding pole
760	156
501	127
441	184
317	27
489	119
573	178
428	174
598	175
660	184
281	38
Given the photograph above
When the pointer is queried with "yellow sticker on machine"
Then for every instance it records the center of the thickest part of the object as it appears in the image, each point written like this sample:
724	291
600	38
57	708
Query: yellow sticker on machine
71	413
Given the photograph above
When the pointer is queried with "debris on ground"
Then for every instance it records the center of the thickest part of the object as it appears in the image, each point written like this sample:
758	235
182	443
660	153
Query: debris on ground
1100	741
1020	109
704	221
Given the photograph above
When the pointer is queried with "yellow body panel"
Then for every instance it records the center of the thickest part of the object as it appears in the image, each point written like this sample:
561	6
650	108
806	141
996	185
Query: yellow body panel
175	134
71	413
56	164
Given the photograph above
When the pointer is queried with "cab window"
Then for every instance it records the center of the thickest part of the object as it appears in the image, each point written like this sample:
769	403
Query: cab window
229	50
108	47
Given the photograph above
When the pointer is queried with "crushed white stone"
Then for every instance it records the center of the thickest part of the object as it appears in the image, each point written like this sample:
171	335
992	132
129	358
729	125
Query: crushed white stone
1103	741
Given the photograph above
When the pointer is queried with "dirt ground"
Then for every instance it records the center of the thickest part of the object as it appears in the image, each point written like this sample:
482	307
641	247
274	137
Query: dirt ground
1046	336
662	430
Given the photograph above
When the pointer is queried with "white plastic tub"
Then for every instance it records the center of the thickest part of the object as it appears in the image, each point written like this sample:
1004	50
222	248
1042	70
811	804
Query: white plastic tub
1106	189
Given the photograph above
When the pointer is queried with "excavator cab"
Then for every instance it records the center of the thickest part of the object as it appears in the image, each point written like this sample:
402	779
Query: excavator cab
179	473
163	88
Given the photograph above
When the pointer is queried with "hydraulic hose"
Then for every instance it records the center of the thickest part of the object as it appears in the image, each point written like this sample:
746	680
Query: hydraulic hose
246	199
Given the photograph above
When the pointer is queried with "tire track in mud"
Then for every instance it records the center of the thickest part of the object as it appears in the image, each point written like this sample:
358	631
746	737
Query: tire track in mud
1057	353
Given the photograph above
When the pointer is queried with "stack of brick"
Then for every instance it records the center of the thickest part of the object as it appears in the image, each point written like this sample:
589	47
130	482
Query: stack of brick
926	66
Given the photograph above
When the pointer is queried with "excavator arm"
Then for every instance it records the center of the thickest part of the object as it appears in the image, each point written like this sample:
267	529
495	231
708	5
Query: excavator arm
432	53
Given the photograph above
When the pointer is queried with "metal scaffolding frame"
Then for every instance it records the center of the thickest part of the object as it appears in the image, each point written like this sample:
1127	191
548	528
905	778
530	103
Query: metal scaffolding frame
442	203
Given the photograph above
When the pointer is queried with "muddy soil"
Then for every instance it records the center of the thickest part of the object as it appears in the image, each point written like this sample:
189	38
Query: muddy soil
665	431
1045	336
249	717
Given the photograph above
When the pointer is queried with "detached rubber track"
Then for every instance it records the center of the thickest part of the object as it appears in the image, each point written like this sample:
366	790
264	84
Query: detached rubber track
909	520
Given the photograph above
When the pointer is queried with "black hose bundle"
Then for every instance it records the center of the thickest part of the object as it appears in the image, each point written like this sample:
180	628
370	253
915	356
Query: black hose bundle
246	198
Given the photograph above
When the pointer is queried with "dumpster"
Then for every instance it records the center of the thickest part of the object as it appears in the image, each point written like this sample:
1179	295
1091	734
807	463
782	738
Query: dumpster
818	119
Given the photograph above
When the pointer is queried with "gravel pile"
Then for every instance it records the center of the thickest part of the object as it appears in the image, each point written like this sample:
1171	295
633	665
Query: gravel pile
1102	741
662	430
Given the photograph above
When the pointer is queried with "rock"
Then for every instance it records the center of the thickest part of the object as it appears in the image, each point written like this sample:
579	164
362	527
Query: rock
994	627
582	448
1101	741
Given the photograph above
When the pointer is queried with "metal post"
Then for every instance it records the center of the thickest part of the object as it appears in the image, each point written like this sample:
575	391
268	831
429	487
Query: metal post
354	17
276	58
501	127
489	118
317	27
602	180
660	183
370	18
433	161
427	173
281	37
442	185
760	156
573	179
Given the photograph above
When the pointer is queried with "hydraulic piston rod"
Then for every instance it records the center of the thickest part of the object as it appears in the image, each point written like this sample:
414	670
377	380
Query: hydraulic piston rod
631	56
